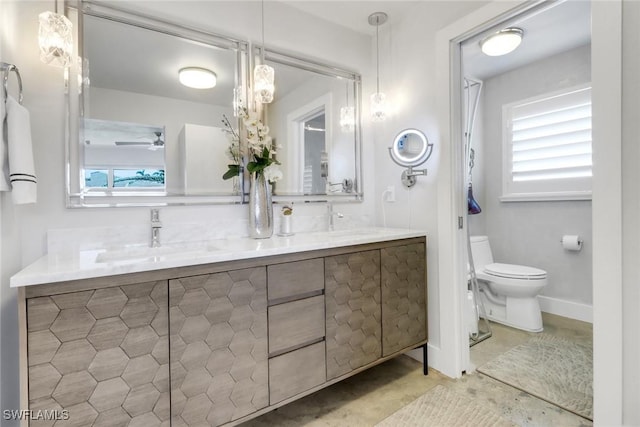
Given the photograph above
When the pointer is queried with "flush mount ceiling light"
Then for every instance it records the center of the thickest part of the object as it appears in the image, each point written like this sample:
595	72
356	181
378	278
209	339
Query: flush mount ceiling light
502	42
197	78
55	38
378	99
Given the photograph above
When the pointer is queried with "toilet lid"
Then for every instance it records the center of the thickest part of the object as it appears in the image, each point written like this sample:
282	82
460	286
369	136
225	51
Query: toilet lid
512	271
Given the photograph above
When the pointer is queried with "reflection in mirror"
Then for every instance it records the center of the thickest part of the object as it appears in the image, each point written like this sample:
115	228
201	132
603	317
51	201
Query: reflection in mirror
318	146
139	134
123	155
411	148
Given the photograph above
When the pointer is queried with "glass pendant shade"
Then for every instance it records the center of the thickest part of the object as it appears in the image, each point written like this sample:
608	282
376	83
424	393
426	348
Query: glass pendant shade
55	39
378	107
347	119
263	78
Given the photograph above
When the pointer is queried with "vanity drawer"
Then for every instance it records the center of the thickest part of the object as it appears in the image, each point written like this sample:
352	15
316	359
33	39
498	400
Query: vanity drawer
295	372
295	278
295	323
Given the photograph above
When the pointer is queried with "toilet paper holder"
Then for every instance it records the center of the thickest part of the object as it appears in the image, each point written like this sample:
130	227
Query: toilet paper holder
571	242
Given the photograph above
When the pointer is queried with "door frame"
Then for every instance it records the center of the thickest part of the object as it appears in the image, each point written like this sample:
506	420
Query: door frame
452	356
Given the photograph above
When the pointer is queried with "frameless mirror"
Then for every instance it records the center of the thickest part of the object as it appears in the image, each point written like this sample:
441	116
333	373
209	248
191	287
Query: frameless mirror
410	149
137	136
314	121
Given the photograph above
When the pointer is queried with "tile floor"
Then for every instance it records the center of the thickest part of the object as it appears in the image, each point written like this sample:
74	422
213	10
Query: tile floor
369	397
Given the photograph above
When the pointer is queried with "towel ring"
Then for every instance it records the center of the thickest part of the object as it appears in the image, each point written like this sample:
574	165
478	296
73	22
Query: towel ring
7	68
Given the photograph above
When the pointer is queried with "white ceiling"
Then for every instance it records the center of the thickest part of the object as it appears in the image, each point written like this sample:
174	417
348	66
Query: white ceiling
559	28
131	61
354	14
554	30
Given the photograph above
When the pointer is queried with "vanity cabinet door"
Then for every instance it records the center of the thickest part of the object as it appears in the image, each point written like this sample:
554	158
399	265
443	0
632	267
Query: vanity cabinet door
102	355
353	312
404	305
218	346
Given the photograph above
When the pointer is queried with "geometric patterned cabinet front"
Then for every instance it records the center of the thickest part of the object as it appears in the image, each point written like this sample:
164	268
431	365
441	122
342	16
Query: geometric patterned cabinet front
404	305
352	298
218	347
102	355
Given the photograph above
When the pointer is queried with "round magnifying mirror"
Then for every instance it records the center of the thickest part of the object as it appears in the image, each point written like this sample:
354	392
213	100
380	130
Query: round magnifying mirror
410	148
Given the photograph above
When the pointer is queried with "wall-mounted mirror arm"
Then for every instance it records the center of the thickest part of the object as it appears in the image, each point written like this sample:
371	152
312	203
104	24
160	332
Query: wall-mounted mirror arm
409	176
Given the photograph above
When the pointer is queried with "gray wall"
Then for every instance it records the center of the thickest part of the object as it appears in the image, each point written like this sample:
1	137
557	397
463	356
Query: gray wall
631	205
529	233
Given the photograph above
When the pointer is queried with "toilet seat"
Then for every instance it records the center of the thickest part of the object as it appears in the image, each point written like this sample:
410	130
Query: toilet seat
513	271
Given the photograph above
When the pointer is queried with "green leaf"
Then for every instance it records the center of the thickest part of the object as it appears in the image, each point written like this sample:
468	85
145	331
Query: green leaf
252	166
234	170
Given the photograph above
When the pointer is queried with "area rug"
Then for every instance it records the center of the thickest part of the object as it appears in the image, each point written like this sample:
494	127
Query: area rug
442	406
551	368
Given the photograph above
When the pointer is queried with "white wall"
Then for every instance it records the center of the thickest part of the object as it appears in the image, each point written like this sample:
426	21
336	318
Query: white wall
10	242
408	77
529	233
630	217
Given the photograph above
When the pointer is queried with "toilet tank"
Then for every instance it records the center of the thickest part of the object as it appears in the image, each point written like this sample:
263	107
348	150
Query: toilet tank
481	252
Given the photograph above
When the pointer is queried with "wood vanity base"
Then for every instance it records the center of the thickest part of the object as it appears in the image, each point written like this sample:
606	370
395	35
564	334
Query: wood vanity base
222	343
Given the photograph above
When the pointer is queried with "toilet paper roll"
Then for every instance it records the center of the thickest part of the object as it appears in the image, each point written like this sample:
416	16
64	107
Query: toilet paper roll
571	242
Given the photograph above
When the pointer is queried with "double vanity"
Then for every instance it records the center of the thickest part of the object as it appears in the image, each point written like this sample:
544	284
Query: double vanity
218	332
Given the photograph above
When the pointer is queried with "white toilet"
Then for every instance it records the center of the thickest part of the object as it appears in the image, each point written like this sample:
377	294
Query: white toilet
509	292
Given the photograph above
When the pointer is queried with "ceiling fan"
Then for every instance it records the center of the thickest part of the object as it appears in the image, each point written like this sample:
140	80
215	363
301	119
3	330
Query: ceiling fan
158	142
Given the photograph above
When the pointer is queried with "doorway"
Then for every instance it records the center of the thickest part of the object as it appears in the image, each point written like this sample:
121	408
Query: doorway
452	354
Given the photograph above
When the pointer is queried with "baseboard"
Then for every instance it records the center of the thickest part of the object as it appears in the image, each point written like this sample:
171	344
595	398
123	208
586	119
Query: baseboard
570	309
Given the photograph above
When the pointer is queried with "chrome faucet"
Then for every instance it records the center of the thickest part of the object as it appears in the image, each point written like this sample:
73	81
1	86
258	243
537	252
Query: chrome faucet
332	214
156	225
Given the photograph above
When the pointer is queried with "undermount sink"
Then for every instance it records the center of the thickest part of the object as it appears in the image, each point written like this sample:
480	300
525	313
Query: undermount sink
145	252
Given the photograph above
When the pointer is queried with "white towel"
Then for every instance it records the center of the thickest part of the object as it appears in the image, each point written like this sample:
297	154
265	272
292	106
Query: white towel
22	175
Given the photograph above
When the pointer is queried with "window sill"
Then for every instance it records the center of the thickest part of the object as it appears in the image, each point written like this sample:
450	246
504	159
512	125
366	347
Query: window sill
546	197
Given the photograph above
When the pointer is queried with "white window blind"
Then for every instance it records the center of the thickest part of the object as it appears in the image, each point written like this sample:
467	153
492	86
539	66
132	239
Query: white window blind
547	146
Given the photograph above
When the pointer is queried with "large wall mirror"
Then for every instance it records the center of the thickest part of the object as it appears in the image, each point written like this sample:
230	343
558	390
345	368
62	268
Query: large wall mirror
138	136
315	121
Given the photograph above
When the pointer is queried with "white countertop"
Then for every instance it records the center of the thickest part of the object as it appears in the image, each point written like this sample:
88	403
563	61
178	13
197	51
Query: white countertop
74	265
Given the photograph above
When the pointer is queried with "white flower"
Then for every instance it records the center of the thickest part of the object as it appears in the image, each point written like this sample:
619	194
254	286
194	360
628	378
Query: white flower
272	173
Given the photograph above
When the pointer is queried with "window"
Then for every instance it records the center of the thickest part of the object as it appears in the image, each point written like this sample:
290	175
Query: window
124	178
547	147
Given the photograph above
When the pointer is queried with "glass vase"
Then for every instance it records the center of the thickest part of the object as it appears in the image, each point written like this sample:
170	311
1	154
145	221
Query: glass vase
260	207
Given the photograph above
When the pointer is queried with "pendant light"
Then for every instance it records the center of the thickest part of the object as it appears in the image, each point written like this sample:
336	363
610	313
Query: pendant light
263	75
347	116
55	38
378	99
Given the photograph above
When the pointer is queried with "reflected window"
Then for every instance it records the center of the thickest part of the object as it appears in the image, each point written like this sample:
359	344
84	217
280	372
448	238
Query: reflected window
138	178
96	178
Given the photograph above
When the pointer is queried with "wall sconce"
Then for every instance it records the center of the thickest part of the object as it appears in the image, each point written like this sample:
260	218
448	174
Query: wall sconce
197	78
55	39
378	99
263	75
